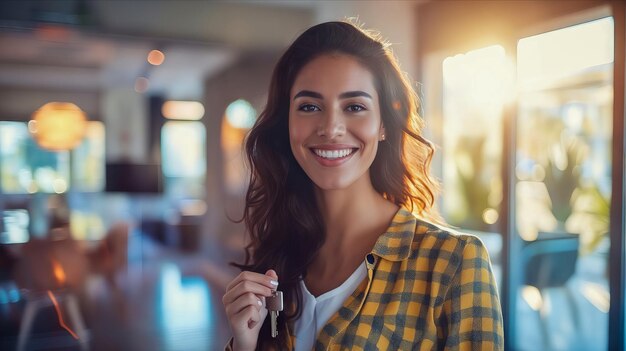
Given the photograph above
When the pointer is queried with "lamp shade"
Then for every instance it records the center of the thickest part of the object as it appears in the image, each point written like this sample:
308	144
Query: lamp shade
58	126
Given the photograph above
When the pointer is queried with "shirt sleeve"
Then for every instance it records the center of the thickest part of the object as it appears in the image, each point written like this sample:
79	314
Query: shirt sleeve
471	317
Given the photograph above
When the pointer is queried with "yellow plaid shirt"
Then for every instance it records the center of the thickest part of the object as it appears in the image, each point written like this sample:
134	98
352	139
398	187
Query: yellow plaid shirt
426	289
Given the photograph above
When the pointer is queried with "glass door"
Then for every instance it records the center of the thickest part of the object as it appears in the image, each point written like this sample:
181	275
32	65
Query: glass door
562	187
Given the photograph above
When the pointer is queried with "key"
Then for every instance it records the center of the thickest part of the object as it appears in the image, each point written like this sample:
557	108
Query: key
274	304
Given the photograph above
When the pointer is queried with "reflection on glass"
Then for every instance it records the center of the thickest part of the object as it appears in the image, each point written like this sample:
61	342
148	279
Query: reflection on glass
563	184
183	144
27	168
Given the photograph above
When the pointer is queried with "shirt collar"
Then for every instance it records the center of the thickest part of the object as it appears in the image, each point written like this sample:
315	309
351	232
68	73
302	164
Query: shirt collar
395	243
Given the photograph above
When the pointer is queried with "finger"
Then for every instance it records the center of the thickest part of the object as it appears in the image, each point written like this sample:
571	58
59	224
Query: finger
272	273
255	318
243	288
266	280
243	318
248	299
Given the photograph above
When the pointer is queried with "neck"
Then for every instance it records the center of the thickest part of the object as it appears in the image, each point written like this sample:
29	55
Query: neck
354	217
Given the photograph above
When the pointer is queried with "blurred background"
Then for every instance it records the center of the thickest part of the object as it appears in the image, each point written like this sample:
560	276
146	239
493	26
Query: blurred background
121	164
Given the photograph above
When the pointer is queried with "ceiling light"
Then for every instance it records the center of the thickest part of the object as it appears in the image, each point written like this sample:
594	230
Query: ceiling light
141	84
185	110
156	57
58	126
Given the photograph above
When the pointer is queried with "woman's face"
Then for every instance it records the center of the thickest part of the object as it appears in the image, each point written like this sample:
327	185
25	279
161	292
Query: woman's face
334	121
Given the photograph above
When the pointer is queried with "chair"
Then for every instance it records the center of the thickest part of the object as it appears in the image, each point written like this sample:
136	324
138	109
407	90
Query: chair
550	262
37	301
52	271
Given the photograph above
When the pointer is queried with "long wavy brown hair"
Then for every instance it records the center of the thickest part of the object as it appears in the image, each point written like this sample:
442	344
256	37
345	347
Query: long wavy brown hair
281	214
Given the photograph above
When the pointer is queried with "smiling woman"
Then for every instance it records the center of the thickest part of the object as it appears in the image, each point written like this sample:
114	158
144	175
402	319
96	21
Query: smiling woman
337	210
334	136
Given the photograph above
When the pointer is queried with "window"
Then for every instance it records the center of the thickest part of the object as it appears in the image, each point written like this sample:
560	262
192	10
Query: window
27	168
476	86
183	144
563	185
88	160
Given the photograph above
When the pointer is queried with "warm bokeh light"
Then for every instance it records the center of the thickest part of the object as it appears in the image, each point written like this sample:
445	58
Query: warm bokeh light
142	84
490	216
156	57
58	126
59	273
193	207
59	185
183	110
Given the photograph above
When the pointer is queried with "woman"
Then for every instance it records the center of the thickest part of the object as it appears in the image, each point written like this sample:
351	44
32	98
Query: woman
338	192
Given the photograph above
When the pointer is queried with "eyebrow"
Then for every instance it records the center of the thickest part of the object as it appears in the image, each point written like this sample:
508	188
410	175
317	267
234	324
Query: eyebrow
346	95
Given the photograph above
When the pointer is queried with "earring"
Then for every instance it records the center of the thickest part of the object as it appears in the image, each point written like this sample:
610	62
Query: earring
382	137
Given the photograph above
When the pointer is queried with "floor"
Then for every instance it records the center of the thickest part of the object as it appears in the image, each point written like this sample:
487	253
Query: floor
573	317
167	300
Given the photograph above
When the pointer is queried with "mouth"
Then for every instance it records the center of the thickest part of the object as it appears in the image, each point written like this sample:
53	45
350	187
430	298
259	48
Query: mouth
334	154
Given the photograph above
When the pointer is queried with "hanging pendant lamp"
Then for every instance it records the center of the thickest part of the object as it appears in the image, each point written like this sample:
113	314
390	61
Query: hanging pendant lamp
58	126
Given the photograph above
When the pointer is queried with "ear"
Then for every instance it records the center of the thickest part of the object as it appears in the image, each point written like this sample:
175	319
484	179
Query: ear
382	136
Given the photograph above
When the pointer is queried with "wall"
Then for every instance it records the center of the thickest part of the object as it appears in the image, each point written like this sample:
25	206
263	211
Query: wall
394	19
247	79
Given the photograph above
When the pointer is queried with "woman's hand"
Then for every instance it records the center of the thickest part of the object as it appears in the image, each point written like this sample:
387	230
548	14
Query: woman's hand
244	301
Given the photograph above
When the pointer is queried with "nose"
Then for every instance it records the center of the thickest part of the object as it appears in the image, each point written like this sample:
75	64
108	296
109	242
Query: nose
332	125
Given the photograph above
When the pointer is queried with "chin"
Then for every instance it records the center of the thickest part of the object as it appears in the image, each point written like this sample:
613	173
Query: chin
333	184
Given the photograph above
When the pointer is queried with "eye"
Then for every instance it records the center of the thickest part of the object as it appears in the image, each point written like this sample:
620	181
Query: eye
356	108
308	108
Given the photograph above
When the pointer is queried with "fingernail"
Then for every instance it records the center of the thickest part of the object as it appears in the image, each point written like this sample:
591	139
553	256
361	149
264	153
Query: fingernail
273	282
260	303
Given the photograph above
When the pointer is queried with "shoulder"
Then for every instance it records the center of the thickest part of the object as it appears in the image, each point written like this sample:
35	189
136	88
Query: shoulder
428	235
421	242
452	258
437	242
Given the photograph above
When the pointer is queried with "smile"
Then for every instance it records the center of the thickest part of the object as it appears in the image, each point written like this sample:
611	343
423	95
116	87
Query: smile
333	154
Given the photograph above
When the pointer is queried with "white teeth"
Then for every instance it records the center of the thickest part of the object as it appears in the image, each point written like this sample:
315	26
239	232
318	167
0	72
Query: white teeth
333	154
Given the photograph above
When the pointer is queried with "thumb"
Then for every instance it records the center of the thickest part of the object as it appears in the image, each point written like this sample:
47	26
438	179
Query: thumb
272	273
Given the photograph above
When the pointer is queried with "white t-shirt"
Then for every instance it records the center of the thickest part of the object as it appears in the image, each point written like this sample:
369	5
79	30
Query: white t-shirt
317	311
